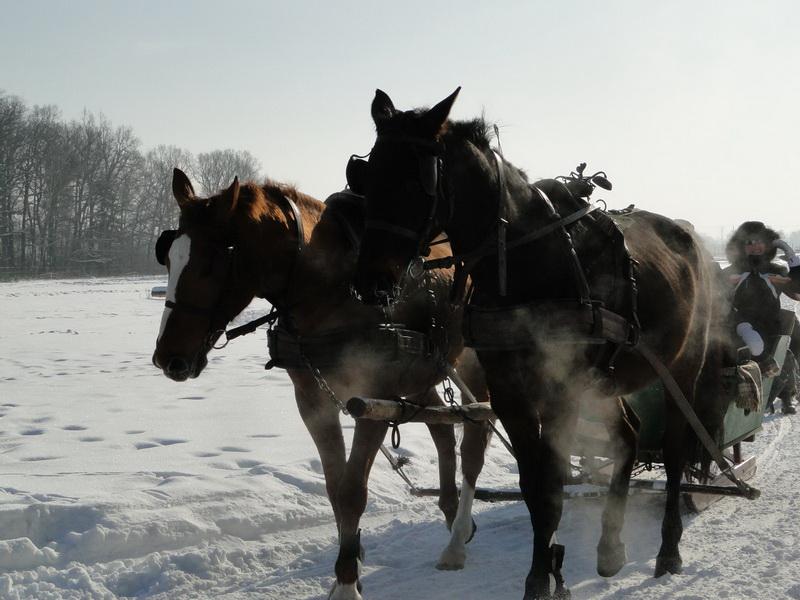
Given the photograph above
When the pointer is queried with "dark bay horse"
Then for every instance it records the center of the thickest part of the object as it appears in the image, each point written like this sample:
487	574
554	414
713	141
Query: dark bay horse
553	312
243	243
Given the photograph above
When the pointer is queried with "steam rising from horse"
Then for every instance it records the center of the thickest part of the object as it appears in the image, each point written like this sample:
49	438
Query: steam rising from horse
243	243
426	175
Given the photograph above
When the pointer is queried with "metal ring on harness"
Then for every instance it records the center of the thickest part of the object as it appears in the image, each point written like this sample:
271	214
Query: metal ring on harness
395	425
395	434
416	268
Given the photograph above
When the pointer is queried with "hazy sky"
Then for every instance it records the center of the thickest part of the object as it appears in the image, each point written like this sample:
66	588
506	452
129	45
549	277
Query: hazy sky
690	107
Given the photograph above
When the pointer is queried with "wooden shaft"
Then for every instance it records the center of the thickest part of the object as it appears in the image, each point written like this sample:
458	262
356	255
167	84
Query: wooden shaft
394	410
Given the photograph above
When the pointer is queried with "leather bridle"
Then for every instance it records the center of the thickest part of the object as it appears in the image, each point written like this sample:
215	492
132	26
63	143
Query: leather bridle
430	171
216	317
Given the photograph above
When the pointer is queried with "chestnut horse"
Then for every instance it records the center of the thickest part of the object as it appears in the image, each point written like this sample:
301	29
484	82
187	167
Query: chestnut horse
553	312
246	242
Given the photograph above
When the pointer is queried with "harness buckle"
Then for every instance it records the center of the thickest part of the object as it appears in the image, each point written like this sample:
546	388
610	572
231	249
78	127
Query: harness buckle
416	268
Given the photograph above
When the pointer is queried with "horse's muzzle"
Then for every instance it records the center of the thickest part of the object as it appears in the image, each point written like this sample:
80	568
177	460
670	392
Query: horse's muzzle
178	368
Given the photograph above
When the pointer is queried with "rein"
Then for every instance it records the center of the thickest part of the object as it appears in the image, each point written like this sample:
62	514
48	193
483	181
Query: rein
499	245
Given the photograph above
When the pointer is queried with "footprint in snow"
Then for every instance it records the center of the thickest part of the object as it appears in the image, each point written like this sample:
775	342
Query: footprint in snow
263	435
248	463
74	428
234	449
134	431
144	445
33	432
91	438
168	441
205	454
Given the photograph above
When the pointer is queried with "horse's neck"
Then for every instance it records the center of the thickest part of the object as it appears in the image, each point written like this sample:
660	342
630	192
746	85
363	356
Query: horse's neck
277	253
319	295
533	271
471	181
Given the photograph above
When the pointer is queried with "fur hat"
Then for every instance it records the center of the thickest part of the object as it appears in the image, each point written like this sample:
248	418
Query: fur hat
734	250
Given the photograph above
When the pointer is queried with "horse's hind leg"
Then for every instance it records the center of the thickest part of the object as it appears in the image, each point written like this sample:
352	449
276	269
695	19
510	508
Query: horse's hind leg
623	428
473	449
445	441
352	500
669	557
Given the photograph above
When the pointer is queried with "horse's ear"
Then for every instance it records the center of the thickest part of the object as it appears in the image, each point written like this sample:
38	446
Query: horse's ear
232	193
436	116
382	107
182	188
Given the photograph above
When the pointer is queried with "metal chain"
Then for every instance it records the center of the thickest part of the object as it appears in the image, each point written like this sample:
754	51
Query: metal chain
397	465
323	385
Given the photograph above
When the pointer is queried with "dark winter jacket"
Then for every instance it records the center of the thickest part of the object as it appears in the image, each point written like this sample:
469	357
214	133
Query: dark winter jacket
757	281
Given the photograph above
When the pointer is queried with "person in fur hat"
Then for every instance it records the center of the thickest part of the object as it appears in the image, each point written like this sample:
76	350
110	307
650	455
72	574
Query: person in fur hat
757	283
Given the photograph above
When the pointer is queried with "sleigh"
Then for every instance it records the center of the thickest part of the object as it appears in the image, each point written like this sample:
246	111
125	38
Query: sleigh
592	444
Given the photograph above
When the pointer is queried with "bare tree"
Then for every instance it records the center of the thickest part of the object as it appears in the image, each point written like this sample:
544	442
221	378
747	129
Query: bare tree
154	207
81	197
215	170
12	139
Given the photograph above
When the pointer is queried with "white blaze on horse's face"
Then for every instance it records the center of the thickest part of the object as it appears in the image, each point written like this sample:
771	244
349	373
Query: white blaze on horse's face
178	259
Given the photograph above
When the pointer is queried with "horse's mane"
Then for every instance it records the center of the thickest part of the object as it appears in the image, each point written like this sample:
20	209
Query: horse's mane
475	131
478	132
263	201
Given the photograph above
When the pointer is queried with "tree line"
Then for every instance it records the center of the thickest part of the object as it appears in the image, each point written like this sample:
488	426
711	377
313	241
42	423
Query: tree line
84	198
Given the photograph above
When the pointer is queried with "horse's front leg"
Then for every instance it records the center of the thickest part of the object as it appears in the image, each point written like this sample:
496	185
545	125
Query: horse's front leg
352	500
321	417
669	556
540	420
623	429
544	495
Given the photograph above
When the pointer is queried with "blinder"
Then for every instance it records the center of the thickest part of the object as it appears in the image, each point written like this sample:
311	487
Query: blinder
356	174
428	155
163	245
429	173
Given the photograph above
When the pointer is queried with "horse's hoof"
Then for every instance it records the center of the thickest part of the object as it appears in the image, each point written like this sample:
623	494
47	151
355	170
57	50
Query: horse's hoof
538	589
610	559
345	591
562	593
452	559
668	564
474	529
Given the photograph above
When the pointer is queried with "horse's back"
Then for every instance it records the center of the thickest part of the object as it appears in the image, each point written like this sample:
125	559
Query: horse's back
676	281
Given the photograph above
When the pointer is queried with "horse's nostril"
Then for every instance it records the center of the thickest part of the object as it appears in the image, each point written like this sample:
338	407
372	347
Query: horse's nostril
177	366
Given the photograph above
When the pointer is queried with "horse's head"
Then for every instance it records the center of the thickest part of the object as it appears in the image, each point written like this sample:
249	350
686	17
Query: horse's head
406	204
206	287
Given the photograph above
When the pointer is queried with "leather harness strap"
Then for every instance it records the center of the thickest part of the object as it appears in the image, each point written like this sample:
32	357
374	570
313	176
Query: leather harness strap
273	315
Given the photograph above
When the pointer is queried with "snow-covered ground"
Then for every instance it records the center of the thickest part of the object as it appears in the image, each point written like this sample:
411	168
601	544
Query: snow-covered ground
117	482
